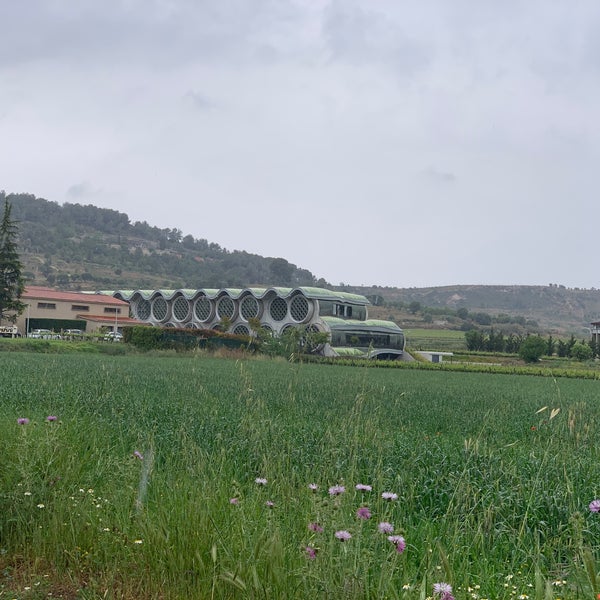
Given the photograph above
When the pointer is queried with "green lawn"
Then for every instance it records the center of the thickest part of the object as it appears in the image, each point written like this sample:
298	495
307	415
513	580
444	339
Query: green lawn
492	493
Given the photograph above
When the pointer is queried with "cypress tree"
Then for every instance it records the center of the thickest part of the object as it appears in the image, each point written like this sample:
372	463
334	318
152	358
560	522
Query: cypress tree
11	280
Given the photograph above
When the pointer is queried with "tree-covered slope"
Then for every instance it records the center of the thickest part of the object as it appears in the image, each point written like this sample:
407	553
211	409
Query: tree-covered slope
75	246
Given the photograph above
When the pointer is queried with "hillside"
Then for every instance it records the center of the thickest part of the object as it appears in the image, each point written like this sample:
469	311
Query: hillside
85	247
72	246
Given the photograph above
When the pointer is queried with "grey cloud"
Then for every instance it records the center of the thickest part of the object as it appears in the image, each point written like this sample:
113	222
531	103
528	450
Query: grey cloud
357	34
436	176
81	191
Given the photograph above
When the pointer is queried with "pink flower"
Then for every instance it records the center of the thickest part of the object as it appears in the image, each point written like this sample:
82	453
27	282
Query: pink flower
399	542
443	590
313	486
336	490
361	487
23	421
595	505
343	535
363	513
233	501
260	481
389	496
315	527
138	454
385	527
269	504
51	418
311	553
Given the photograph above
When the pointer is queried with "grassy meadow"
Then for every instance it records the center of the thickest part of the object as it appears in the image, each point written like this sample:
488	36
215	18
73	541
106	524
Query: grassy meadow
190	477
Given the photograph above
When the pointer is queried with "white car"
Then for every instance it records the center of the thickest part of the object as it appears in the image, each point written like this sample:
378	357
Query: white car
113	336
45	334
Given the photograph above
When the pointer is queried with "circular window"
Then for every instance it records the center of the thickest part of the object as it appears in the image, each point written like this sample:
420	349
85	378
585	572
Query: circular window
181	308
159	308
278	309
299	308
249	308
241	330
142	310
203	309
191	326
225	307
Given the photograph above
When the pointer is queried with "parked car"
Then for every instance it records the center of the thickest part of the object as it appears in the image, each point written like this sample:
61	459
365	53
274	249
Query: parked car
113	336
45	334
73	332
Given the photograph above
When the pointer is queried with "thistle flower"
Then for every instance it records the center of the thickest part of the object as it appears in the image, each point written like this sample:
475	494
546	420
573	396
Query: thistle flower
363	513
23	421
269	504
311	553
595	506
361	487
315	527
313	486
138	455
343	535
385	527
336	490
443	590
399	542
51	418
260	481
389	496
233	501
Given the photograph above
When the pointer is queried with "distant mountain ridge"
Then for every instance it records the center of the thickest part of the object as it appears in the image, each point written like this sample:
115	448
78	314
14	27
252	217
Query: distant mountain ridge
72	246
554	306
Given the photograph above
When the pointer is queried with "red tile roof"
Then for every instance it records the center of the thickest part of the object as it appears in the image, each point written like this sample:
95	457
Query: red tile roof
44	293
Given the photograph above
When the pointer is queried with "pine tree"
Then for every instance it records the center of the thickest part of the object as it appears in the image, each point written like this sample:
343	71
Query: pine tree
11	280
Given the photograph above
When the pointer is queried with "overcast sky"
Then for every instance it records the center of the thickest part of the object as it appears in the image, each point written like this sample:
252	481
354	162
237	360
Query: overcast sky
371	141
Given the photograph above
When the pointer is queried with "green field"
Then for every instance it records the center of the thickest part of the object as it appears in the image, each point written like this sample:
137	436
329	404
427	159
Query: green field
493	494
435	339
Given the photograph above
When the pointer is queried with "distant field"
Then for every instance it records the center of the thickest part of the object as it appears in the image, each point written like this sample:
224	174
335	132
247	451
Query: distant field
493	476
435	339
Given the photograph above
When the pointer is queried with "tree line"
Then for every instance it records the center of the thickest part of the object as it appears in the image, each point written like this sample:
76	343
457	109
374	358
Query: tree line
495	341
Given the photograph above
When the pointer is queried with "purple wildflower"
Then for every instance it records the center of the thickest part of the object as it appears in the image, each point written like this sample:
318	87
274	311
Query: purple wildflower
138	454
233	501
269	504
336	490
361	487
399	542
315	527
23	421
595	505
389	496
51	418
260	481
311	553
443	590
313	486
363	513
385	527
343	535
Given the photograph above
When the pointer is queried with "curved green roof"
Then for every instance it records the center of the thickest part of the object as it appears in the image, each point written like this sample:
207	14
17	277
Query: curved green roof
369	324
309	292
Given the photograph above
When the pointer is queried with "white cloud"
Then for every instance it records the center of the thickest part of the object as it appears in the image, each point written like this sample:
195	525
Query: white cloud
369	141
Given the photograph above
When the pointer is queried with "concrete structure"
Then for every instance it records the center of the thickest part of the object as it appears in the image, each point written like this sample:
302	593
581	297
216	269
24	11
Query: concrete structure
433	356
595	331
55	310
342	315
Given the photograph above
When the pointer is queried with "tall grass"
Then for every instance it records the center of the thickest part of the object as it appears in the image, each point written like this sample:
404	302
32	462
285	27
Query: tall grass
145	486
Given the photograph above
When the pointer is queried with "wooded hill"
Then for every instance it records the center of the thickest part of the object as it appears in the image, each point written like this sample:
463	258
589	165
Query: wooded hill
71	246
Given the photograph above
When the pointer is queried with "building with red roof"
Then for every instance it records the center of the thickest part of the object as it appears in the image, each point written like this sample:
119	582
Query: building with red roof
47	308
